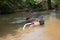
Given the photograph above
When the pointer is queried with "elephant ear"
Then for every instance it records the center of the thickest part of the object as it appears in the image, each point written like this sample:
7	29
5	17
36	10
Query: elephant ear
41	18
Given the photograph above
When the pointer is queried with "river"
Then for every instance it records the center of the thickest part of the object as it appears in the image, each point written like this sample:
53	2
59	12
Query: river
11	29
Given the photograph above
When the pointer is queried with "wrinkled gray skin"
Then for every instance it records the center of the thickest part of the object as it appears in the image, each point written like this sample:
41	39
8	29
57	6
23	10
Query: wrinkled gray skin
34	17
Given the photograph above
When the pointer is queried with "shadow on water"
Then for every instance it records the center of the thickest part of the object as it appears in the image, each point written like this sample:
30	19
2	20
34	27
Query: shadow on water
9	24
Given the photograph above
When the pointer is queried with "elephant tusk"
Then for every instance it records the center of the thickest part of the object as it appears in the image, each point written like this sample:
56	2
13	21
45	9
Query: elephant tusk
25	25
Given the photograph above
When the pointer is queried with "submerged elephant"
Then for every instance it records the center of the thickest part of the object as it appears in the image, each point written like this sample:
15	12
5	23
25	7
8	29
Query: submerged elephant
35	18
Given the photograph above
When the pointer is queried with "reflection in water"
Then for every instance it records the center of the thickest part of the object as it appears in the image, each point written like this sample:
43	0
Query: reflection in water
52	15
18	21
50	31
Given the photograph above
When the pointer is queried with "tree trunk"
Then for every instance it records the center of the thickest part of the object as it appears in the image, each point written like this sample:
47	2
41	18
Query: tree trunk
49	4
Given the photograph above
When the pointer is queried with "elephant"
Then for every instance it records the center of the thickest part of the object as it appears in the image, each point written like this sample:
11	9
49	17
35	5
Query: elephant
35	17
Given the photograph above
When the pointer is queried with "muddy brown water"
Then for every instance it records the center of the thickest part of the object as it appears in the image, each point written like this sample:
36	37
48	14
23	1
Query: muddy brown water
13	31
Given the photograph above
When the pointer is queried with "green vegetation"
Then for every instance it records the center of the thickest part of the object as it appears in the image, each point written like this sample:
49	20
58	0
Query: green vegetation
7	6
55	1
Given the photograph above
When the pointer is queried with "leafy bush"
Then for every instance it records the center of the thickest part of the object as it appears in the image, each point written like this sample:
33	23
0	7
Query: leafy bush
31	3
5	9
42	9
